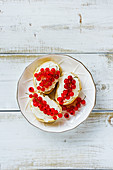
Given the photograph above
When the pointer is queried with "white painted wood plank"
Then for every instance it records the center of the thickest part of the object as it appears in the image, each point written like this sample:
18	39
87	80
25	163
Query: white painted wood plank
23	146
101	67
54	26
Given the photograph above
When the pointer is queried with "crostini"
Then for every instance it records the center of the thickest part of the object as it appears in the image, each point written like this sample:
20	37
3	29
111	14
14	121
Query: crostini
46	76
68	88
45	109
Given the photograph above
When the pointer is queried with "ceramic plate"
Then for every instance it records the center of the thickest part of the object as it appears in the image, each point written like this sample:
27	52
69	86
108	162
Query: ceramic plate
69	64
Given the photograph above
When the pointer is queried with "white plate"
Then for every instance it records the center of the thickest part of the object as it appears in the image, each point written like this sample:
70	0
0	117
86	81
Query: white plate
69	64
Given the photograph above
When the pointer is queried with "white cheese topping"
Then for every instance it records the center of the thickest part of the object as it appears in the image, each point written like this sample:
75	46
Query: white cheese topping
50	65
61	87
40	114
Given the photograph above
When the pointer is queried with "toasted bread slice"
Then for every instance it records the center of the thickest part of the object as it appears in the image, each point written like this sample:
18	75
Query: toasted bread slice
50	65
40	115
60	88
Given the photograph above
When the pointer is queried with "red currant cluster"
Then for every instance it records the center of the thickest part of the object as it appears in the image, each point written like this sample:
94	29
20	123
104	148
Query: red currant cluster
69	85
42	105
47	77
73	108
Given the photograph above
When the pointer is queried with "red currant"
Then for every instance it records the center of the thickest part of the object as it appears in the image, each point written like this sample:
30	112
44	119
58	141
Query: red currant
60	115
83	102
65	91
67	97
58	72
53	70
59	99
31	89
73	81
70	77
71	94
30	96
35	95
76	108
42	69
66	115
56	76
79	99
66	81
47	69
73	86
39	78
38	88
43	89
36	74
66	86
39	98
55	117
72	112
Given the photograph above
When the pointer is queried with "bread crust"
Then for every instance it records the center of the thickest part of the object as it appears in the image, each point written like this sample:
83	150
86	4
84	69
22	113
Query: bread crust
46	92
67	103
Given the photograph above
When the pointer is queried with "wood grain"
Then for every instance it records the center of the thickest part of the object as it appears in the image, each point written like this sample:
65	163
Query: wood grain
45	26
100	66
23	146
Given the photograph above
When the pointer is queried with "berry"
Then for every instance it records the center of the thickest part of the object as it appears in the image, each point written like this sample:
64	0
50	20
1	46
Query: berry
35	104
67	97
65	91
78	99
47	69
30	96
52	110
36	74
73	81
58	72
59	99
53	70
83	102
43	89
60	115
66	115
52	114
71	94
70	77
78	105
42	69
56	76
76	108
56	112
41	108
73	86
39	78
38	88
35	95
31	89
61	103
39	98
72	112
64	108
41	84
55	117
66	86
44	102
50	83
66	81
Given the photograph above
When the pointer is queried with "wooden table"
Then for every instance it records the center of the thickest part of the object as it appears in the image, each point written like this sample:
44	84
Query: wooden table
82	29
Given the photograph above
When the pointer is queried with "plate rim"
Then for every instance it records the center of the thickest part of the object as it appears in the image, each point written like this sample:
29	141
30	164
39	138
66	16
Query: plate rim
48	56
